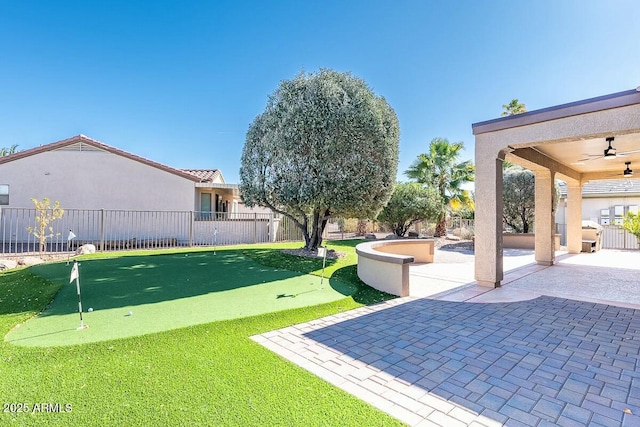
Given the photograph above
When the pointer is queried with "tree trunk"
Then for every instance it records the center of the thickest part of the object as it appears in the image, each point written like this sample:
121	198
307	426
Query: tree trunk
525	223
361	227
305	231
400	229
320	219
441	228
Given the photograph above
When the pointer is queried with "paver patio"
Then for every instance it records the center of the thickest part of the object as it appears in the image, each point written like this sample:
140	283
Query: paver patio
542	361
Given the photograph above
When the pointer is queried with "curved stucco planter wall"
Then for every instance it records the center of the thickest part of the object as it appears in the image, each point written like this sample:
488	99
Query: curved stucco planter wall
384	265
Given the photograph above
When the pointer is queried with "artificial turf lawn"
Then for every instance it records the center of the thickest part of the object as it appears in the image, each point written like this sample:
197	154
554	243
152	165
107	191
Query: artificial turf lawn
137	295
205	375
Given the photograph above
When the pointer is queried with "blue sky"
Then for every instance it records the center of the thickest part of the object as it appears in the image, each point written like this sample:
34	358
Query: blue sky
179	82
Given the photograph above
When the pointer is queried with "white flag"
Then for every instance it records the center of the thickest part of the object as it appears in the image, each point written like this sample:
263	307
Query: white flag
74	272
71	236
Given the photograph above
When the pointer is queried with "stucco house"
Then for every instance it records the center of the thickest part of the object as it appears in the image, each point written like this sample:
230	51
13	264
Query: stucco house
603	202
107	190
83	173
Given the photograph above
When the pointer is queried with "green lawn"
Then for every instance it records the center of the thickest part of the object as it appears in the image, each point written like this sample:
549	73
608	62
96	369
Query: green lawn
210	374
138	295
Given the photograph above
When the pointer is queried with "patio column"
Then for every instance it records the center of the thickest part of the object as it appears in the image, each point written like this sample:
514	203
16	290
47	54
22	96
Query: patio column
574	218
488	220
545	217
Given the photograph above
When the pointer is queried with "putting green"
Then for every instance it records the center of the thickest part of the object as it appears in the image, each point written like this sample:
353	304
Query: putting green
166	292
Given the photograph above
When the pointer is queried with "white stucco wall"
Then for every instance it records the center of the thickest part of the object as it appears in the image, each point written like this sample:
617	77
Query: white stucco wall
591	207
94	180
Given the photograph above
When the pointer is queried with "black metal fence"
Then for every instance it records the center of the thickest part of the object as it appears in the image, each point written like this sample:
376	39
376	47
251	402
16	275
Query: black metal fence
122	229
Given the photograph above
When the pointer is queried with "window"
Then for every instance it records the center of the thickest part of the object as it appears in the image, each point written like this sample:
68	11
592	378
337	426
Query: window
4	194
205	207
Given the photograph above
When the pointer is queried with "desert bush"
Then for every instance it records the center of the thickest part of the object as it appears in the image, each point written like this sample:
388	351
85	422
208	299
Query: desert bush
463	233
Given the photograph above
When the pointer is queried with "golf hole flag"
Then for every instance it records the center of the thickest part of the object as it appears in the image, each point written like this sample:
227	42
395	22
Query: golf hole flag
75	275
70	237
74	272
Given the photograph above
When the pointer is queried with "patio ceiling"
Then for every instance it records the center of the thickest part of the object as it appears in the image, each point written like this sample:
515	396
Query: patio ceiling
580	156
586	156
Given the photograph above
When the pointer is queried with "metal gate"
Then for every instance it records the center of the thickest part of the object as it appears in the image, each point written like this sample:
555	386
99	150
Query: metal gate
614	237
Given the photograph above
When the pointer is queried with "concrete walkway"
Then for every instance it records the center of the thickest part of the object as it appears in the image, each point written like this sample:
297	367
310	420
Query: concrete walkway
452	269
539	361
607	277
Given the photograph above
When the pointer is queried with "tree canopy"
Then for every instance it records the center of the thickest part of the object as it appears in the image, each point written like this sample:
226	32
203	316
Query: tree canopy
410	203
441	170
513	108
632	225
324	146
4	151
519	198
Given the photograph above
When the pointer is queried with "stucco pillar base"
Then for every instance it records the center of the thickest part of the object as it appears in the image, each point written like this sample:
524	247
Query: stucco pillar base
548	263
487	284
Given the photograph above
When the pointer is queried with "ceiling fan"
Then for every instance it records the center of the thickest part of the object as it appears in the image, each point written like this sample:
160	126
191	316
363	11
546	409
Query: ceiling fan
625	174
610	153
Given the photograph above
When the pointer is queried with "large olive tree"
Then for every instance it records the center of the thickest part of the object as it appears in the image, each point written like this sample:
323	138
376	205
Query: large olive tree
325	146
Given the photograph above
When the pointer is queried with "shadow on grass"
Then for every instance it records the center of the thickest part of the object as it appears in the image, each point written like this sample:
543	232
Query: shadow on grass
132	280
139	280
348	274
23	292
275	258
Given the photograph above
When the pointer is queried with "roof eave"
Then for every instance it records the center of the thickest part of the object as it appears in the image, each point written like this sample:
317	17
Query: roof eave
606	102
97	144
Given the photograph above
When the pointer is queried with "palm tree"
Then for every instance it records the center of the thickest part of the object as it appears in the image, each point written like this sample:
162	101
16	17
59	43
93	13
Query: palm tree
513	108
440	169
7	151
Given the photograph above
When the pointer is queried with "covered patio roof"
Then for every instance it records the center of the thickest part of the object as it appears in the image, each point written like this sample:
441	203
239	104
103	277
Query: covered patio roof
569	142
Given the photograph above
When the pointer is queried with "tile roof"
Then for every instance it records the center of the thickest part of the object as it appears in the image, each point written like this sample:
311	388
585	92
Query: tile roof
607	187
205	175
80	141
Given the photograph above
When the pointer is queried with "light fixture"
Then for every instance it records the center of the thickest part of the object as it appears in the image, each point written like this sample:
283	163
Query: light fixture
627	172
610	152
